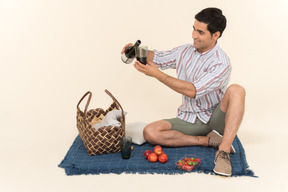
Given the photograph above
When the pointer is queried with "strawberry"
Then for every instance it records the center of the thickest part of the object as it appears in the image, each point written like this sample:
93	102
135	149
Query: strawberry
184	167
191	168
188	168
198	160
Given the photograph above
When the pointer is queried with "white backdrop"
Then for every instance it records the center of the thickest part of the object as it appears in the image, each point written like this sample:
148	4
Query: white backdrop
52	52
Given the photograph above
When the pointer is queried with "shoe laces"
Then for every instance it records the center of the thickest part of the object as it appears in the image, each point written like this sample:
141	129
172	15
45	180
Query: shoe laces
225	156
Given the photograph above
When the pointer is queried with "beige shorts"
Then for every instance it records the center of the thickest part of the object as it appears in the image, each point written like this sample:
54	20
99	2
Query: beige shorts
216	122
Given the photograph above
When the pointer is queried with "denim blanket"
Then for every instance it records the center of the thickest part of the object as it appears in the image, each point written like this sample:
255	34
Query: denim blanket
77	161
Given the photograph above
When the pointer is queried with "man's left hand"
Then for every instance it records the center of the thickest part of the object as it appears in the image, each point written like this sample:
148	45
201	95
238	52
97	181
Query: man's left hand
150	69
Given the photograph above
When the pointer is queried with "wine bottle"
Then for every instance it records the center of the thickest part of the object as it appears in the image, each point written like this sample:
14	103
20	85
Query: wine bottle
130	53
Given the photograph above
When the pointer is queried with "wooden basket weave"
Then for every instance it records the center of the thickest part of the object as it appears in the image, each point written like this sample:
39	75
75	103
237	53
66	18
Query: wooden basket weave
104	139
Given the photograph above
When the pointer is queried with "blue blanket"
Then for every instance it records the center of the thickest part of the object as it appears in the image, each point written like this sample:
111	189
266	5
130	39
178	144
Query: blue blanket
77	161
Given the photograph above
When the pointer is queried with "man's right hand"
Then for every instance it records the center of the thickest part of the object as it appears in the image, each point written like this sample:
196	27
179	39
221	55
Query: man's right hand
125	47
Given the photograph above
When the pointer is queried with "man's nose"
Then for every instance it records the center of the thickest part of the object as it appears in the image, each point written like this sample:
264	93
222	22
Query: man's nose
194	35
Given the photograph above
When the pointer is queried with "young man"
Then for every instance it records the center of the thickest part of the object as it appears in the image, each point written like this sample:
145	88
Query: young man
209	108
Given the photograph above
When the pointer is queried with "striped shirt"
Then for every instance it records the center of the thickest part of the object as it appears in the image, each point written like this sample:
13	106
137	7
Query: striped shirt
208	71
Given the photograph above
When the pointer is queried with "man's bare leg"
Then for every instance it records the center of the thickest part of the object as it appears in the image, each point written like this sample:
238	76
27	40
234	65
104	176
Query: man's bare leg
233	104
159	132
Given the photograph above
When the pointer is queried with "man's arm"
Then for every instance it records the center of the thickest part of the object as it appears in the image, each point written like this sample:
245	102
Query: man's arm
180	86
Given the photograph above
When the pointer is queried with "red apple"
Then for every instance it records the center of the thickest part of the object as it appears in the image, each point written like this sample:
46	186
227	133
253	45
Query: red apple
158	149
163	158
146	153
152	157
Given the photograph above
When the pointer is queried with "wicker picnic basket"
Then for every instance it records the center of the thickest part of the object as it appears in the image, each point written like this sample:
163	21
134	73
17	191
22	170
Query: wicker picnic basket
104	139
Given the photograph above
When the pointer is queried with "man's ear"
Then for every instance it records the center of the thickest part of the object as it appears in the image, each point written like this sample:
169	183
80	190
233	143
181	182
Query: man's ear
216	35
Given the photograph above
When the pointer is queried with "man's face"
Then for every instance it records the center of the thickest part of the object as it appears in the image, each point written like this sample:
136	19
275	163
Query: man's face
203	40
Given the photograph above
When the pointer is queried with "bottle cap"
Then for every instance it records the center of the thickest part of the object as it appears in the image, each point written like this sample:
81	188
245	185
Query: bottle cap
138	42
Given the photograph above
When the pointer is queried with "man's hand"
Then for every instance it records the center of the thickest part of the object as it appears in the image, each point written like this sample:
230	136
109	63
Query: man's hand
150	69
125	47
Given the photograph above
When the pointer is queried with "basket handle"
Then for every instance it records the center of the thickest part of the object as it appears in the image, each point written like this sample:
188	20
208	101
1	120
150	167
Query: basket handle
88	101
114	99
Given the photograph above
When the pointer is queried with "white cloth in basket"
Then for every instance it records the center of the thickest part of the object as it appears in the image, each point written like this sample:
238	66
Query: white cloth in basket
112	118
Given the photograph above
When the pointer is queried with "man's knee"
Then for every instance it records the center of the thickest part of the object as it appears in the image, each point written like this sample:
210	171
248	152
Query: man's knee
152	131
150	134
236	89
